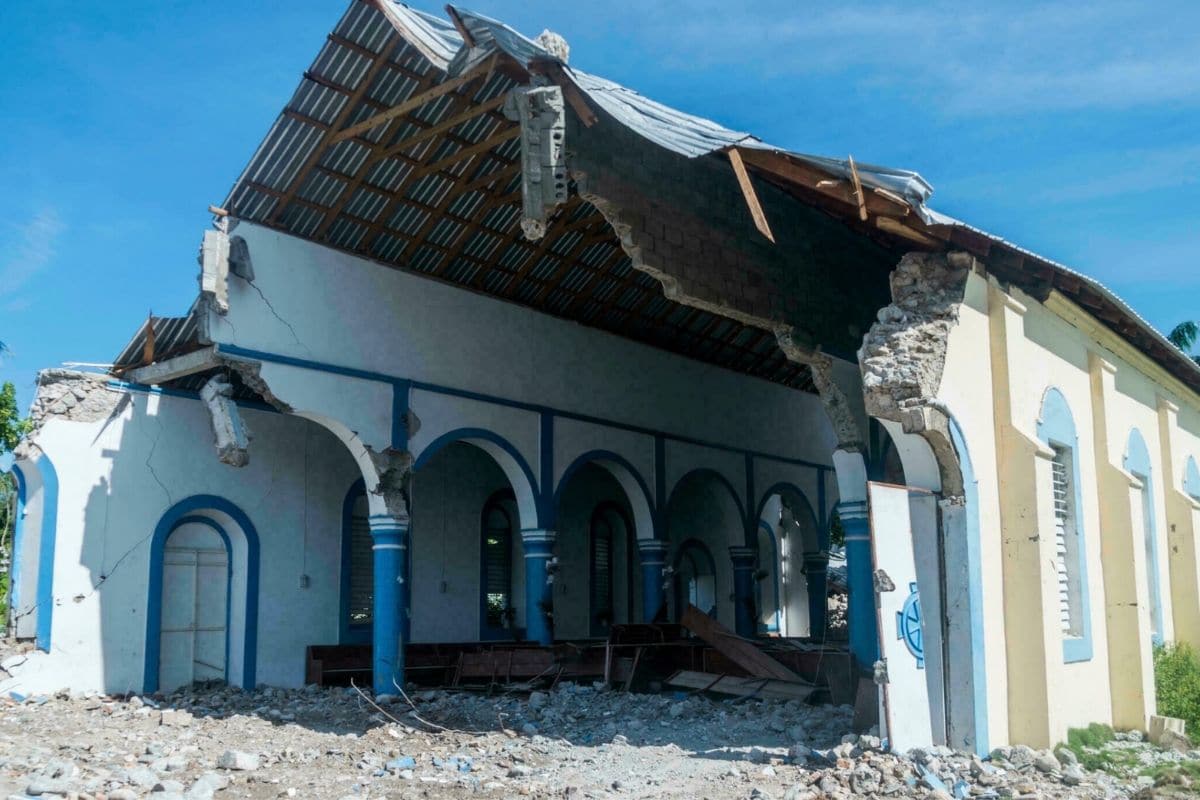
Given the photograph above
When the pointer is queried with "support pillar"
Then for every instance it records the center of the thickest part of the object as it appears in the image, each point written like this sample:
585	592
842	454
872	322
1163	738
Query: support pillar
539	587
816	575
653	555
389	535
744	611
864	635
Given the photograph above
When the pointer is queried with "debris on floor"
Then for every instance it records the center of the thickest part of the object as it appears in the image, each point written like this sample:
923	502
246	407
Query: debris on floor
575	741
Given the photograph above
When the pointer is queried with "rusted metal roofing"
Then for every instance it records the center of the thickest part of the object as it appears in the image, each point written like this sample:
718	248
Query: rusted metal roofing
173	336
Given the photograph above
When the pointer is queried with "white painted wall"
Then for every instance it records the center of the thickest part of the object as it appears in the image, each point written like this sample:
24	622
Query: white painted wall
117	478
330	307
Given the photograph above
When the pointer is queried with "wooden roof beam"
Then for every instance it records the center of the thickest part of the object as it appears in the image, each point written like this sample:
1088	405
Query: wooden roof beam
412	103
749	195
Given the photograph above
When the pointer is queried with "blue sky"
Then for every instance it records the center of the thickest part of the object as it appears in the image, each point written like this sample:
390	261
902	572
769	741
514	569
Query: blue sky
1073	131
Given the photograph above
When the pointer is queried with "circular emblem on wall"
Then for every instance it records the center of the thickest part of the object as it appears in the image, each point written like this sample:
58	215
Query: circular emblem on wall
908	626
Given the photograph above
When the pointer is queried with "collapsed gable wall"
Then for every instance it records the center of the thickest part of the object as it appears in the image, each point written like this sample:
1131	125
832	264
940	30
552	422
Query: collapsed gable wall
684	221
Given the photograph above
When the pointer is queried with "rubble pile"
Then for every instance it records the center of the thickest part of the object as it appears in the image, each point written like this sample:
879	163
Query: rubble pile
572	741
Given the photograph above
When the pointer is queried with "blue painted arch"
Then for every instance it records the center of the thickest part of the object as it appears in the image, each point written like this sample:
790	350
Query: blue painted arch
532	504
748	525
192	509
1137	462
974	548
1191	478
14	572
1056	428
638	494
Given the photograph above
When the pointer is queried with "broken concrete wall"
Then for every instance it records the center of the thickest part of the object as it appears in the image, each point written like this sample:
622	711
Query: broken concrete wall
903	356
685	222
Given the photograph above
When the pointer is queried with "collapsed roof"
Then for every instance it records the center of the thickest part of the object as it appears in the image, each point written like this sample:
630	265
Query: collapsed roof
394	147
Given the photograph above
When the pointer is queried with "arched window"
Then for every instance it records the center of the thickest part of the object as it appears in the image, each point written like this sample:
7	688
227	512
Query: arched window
358	568
609	537
1056	430
1191	479
1138	464
496	606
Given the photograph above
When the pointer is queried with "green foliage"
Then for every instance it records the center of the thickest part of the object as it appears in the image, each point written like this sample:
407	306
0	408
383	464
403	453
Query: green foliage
837	534
1184	336
1088	746
1177	683
12	427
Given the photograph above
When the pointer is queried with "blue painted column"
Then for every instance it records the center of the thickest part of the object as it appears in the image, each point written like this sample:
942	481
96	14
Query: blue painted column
539	590
653	555
864	635
389	536
816	575
744	612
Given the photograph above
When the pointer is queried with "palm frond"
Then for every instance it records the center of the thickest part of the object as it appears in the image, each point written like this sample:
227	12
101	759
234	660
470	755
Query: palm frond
1184	335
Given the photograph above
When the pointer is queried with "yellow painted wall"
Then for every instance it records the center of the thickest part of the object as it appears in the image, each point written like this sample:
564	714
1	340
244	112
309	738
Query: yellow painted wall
1006	352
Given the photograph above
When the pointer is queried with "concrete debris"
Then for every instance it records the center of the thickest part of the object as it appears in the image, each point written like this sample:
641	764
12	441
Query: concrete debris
554	44
582	742
72	395
231	437
542	114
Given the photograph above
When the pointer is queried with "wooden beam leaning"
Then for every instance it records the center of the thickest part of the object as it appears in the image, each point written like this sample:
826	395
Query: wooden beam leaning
408	105
814	179
750	196
434	130
858	191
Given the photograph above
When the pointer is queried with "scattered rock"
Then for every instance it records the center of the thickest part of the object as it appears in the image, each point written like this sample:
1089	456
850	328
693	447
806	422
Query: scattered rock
237	760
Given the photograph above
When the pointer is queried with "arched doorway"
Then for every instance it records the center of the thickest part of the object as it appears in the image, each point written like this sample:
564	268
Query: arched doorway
788	547
695	579
465	544
595	584
202	602
704	519
610	581
196	578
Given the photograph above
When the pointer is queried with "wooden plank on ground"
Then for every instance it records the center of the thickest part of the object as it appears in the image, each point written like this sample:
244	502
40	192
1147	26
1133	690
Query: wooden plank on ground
770	688
738	650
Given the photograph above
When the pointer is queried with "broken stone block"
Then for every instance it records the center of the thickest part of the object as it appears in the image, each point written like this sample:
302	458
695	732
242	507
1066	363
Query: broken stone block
237	760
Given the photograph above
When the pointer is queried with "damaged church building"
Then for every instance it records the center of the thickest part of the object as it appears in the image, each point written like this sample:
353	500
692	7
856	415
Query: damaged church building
491	356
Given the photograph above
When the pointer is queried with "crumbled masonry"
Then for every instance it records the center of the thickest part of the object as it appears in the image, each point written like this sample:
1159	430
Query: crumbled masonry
573	741
903	356
72	395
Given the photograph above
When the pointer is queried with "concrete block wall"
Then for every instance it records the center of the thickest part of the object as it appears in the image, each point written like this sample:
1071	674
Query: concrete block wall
689	221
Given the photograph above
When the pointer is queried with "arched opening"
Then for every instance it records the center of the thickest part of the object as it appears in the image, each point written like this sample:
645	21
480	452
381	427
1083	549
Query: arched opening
704	516
202	604
612	587
695	573
465	543
497	530
789	546
595	584
1139	465
766	582
197	576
